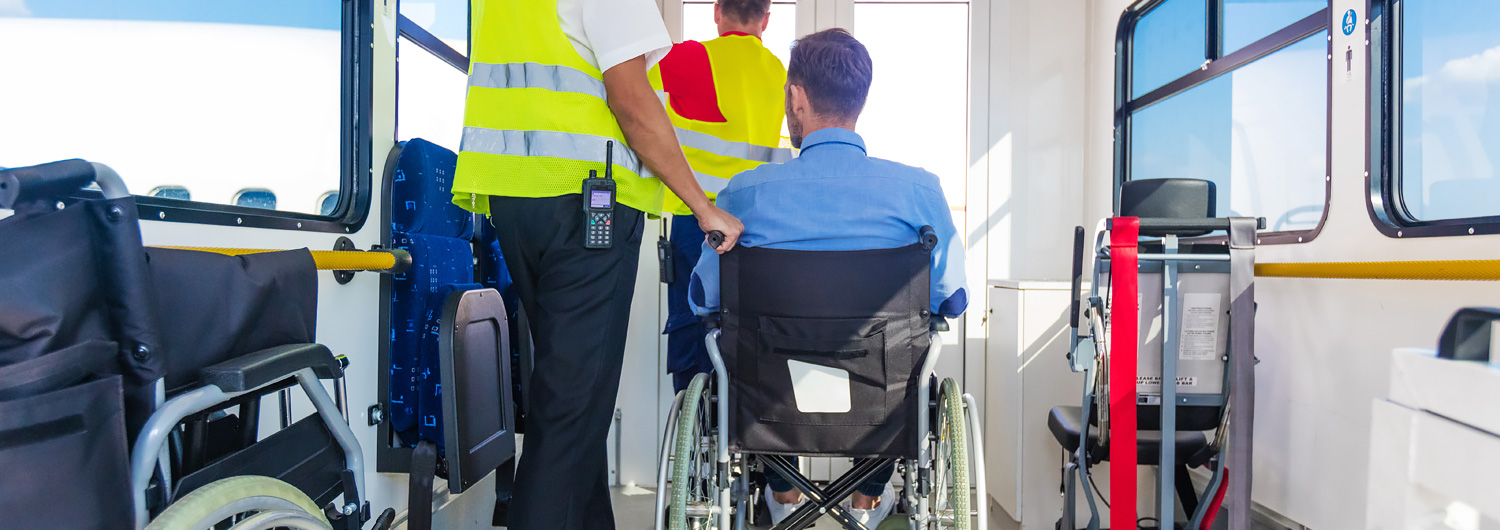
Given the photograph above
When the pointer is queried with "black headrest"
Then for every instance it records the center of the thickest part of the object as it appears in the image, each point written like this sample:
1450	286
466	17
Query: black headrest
1168	198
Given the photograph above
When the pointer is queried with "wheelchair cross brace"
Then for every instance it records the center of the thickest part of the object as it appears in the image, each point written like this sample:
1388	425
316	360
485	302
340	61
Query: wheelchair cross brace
824	500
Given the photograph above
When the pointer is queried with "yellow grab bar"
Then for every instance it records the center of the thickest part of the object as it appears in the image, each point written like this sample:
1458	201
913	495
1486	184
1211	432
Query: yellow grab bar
384	260
1466	270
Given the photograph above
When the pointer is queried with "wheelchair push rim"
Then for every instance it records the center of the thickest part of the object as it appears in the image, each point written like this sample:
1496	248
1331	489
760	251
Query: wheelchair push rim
246	501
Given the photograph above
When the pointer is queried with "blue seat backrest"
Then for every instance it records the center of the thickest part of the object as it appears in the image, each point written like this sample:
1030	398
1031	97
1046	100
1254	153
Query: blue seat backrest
422	193
425	223
437	262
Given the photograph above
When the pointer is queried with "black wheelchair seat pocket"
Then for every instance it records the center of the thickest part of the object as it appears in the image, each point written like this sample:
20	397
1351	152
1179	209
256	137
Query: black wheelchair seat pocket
851	354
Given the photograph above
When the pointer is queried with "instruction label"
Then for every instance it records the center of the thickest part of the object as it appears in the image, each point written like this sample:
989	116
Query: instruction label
1183	381
1200	327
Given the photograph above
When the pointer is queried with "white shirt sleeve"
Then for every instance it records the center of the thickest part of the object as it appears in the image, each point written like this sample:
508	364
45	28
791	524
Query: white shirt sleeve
615	31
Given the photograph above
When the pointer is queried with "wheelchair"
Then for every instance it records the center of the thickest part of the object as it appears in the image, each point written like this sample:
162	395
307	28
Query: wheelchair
131	379
1195	326
822	354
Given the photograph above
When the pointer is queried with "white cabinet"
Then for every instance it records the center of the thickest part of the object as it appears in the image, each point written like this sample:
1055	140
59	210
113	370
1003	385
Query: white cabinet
1026	374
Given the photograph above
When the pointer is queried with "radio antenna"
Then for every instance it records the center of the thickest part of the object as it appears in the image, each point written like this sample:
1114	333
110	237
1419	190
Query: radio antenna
609	159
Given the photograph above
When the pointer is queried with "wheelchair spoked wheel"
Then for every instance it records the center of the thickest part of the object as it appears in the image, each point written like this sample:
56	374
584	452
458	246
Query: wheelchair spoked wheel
695	481
950	500
243	503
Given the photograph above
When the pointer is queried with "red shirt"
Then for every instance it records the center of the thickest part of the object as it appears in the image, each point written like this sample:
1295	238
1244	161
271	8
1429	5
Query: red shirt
688	78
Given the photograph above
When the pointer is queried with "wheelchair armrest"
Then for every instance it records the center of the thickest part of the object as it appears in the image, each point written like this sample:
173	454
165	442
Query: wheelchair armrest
937	323
256	369
713	320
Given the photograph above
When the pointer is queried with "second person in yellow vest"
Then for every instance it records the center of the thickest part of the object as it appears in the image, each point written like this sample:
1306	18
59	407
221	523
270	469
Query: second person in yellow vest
725	97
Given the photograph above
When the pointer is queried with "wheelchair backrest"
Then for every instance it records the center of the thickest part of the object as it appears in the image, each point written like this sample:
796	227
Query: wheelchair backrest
823	348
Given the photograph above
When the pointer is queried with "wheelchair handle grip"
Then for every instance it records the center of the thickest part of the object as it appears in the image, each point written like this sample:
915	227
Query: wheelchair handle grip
927	237
55	180
715	239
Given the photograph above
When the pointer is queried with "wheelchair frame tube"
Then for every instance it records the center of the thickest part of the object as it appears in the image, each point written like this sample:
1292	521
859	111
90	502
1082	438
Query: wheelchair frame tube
152	438
976	454
924	446
722	376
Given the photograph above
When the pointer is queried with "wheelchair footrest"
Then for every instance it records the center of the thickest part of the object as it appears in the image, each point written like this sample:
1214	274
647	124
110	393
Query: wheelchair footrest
304	455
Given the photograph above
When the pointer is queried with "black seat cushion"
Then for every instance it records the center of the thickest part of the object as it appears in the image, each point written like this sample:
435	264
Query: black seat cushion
1066	424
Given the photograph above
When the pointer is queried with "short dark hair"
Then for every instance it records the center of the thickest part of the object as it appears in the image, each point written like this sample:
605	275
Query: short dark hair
745	11
835	70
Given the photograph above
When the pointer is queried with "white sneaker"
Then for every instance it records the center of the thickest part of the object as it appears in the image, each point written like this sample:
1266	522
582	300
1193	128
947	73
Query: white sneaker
872	517
779	511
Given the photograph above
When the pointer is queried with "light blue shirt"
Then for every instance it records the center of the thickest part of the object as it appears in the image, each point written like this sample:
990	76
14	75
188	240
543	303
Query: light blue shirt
834	196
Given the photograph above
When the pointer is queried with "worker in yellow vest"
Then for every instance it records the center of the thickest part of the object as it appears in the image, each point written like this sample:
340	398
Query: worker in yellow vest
725	97
550	83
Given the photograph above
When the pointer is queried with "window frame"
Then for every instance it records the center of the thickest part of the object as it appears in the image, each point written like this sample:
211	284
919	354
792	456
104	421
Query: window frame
1383	143
356	112
1217	64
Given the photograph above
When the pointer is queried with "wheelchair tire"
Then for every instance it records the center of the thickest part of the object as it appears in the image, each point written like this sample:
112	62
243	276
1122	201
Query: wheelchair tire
693	464
230	498
950	493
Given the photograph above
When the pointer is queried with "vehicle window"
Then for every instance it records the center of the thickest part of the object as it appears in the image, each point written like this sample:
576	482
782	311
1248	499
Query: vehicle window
215	97
430	93
1259	133
1447	131
1168	42
934	135
698	25
1247	21
1255	124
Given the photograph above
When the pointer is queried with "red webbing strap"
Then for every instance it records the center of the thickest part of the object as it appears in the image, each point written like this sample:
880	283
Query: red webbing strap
1124	336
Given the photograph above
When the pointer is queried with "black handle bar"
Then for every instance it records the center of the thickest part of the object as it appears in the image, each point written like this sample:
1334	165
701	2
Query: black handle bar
1168	224
56	180
715	238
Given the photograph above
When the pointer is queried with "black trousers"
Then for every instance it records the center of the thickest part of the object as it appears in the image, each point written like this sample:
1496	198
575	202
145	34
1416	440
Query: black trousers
577	301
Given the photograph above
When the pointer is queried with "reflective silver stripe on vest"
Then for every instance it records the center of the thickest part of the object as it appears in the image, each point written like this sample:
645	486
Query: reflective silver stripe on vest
719	146
584	147
710	183
533	75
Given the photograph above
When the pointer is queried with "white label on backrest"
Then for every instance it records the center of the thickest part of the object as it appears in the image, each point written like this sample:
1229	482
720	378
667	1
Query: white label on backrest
819	388
1199	340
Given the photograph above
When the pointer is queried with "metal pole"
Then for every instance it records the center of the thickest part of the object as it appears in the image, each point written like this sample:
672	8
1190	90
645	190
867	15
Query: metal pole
1165	485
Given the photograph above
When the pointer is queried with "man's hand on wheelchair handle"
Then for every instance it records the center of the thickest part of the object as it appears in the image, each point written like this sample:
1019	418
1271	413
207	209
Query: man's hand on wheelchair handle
712	219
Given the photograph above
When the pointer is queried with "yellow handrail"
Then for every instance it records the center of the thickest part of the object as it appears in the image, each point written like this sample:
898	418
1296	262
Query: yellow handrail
1463	270
330	260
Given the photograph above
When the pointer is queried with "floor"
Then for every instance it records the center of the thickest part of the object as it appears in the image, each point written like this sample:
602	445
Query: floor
635	507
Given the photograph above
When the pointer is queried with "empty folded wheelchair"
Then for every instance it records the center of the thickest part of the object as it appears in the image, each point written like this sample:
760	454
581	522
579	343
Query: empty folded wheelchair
823	354
1195	313
131	378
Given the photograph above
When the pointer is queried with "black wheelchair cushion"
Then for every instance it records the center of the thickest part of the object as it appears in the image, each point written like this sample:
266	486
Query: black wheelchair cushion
1066	425
253	370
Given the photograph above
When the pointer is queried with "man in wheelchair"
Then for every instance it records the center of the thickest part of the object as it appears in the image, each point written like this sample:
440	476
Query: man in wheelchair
835	197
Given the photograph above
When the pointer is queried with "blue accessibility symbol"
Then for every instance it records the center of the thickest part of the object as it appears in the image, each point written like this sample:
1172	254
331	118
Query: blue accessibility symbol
1350	21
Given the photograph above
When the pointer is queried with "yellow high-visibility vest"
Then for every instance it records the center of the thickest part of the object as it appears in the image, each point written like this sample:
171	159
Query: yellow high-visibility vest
536	119
749	82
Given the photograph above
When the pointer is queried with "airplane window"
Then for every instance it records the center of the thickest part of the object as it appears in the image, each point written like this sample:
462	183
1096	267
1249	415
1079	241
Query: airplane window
215	96
1168	42
698	25
1447	138
1247	21
934	135
1259	132
255	198
430	93
171	192
328	202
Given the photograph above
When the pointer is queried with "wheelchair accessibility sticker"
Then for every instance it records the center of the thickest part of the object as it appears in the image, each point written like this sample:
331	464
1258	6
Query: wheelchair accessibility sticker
1350	22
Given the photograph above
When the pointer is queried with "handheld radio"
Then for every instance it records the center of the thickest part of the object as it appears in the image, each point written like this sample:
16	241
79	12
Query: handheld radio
599	204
